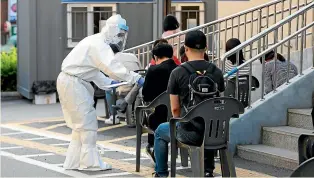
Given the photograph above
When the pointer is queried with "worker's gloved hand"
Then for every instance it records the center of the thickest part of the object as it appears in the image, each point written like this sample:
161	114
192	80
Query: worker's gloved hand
141	81
114	82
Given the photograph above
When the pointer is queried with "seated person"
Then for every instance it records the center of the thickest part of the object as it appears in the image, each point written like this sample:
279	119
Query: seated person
184	58
231	61
178	88
130	62
156	82
153	62
280	72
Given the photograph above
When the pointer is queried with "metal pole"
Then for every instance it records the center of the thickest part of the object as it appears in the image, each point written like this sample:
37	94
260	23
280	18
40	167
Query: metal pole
282	16
263	73
313	38
275	59
302	43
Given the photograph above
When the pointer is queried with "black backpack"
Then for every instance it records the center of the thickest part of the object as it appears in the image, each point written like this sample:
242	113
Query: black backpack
201	85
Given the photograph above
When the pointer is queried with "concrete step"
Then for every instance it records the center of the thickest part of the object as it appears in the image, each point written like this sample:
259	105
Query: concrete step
300	118
269	155
285	137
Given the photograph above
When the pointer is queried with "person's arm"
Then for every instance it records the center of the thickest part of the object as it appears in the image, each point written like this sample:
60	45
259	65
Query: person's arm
104	59
221	81
268	79
102	81
147	87
175	105
173	90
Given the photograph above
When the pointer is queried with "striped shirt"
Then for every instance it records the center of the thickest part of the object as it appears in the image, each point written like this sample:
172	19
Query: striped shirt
281	74
229	66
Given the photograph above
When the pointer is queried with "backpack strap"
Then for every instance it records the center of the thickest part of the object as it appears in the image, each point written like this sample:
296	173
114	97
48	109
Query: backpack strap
188	67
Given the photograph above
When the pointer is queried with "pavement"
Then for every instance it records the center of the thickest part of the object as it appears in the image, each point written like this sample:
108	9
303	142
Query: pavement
34	141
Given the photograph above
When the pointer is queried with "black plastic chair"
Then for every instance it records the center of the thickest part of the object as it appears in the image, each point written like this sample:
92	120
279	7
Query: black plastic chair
216	113
141	126
305	169
306	156
243	91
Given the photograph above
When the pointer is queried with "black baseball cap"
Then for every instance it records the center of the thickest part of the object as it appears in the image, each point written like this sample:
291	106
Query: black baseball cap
195	39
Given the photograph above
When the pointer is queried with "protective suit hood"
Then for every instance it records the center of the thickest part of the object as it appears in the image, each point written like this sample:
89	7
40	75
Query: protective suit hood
115	32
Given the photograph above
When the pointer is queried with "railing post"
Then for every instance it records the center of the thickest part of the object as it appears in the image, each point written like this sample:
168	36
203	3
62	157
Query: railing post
263	74
289	44
282	17
313	39
259	29
275	60
302	43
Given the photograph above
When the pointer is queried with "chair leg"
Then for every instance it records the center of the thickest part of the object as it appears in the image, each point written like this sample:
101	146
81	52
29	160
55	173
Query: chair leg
184	157
174	153
106	108
95	102
197	161
138	146
227	165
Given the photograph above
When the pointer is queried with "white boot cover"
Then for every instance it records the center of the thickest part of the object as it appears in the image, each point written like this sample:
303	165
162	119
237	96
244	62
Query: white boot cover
72	160
90	159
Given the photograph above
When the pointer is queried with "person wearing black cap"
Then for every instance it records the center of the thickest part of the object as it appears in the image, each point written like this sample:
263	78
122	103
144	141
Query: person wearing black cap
156	82
178	88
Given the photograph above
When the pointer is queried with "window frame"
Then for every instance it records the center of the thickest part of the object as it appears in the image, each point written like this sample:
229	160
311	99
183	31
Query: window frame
90	19
178	7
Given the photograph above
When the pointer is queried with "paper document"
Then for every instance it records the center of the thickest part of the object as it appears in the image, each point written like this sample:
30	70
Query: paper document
117	85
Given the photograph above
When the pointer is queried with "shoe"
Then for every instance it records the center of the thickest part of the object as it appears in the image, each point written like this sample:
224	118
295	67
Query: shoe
150	152
155	174
110	120
121	105
208	174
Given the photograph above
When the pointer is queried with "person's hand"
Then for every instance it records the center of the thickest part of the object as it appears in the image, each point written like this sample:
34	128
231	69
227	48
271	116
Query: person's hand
114	82
141	81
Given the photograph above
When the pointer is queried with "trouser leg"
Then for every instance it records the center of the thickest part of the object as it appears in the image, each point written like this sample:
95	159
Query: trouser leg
72	160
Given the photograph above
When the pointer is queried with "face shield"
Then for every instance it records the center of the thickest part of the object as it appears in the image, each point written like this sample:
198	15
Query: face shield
116	32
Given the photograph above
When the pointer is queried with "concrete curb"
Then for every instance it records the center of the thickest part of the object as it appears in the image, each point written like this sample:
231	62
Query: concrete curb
10	95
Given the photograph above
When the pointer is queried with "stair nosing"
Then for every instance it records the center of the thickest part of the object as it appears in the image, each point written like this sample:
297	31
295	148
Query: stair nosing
276	130
269	154
295	111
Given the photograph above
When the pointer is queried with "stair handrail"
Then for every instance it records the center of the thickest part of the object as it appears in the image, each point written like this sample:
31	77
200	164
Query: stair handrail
266	32
211	23
274	47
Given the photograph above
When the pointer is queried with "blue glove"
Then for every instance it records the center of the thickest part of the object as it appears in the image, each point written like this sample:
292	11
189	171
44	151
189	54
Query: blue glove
114	82
141	81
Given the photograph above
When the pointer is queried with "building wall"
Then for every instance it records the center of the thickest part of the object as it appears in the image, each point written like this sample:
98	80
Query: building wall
39	42
139	18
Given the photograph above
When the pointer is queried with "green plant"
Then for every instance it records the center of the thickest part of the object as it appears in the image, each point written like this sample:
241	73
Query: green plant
9	70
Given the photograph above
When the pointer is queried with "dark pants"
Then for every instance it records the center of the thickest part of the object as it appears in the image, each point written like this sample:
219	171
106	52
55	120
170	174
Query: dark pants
155	119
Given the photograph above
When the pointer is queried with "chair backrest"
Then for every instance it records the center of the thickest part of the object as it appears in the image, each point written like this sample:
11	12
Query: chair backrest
216	113
305	169
162	99
243	91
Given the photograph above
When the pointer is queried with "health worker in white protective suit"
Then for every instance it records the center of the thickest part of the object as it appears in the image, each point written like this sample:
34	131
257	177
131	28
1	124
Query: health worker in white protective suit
82	66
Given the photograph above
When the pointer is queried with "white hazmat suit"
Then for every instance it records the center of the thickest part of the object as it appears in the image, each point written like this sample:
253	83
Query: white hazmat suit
82	66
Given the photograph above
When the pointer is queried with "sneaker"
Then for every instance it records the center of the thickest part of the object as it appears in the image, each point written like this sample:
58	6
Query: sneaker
110	120
150	152
208	174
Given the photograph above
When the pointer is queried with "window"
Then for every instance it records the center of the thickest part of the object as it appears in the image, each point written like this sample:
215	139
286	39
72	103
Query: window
189	14
86	19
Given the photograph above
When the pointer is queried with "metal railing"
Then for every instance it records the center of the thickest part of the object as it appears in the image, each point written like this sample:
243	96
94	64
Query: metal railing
243	25
301	32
